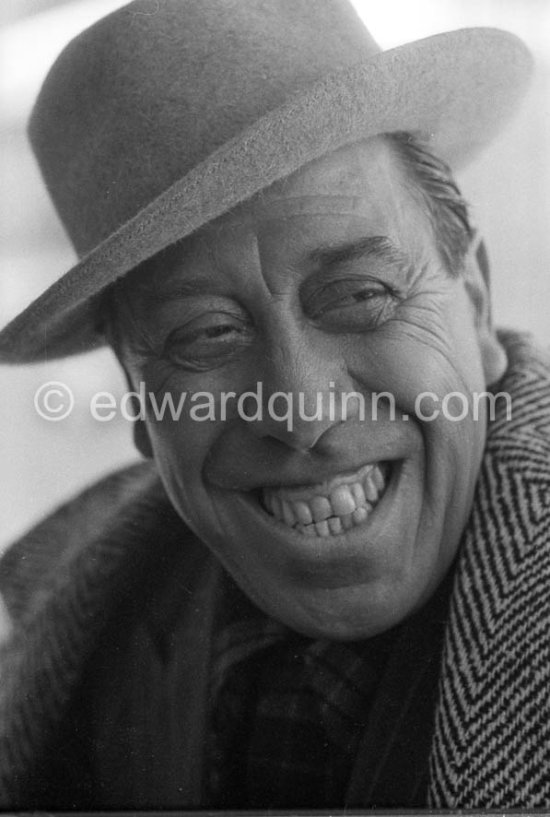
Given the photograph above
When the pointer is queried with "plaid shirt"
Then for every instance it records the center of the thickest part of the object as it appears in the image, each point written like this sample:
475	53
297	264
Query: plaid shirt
287	712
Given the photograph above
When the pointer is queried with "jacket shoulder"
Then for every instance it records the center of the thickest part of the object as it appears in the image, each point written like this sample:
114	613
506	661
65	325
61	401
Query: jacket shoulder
35	561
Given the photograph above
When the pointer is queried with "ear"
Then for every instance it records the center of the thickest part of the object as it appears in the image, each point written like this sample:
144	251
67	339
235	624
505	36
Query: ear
141	436
477	283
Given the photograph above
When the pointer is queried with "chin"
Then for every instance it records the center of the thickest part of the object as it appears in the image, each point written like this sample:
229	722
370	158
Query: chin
342	559
350	613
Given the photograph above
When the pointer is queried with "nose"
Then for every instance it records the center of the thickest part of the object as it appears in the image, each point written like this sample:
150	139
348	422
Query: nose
302	394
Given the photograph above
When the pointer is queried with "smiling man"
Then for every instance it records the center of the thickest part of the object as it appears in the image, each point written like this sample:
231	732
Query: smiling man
329	282
335	605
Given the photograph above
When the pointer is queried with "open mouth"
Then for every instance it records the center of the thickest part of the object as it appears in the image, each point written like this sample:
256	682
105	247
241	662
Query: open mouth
332	507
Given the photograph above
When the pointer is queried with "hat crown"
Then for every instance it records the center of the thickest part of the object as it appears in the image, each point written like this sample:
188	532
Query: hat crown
147	93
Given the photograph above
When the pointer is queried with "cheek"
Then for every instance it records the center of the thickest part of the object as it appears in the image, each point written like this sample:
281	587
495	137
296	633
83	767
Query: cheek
180	448
430	346
421	359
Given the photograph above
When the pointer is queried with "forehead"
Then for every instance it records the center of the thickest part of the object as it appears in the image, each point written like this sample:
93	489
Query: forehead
360	188
355	169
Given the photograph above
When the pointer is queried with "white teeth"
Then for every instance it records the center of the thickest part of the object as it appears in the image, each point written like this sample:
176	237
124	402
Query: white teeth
347	522
347	504
335	525
371	492
342	500
378	478
302	511
320	508
358	493
322	528
288	516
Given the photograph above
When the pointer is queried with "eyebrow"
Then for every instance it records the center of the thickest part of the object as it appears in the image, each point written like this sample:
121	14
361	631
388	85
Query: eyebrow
377	246
188	288
157	293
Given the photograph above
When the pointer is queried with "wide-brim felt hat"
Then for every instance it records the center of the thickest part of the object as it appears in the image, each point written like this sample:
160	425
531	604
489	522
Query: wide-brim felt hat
168	113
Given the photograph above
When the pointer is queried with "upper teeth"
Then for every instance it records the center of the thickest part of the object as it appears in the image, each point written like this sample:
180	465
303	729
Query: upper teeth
326	509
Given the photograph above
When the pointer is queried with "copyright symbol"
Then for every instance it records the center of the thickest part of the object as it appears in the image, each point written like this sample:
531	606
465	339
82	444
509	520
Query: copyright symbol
54	401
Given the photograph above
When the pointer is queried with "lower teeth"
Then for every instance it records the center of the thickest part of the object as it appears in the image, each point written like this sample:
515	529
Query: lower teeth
334	525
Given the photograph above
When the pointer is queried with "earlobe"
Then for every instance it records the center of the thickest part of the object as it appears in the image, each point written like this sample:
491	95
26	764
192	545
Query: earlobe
477	283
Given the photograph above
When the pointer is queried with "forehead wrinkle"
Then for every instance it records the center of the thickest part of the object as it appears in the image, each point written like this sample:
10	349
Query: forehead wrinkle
167	277
285	209
180	290
262	261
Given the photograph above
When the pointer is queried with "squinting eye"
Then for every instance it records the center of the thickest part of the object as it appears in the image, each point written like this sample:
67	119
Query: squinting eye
351	305
208	341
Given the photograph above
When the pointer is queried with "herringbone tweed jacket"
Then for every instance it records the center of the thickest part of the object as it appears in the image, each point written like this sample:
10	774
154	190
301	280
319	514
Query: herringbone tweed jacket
491	744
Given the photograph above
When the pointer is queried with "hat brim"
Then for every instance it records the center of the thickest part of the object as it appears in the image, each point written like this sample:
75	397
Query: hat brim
455	90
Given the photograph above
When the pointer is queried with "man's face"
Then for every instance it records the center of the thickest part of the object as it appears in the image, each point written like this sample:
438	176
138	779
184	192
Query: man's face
338	526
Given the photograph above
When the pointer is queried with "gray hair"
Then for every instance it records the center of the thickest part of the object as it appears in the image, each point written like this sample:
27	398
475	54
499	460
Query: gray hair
440	196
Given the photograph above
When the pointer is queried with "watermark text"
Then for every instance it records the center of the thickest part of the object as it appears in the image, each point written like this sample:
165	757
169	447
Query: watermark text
54	401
